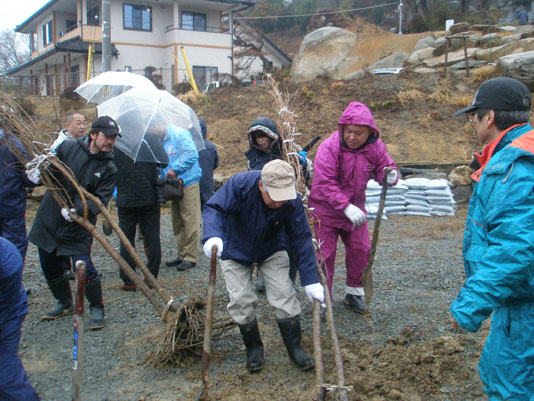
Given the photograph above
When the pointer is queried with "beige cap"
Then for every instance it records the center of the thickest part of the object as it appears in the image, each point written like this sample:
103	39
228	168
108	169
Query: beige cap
279	179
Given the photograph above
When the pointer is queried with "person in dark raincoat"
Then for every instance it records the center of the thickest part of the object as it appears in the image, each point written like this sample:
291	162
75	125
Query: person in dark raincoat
208	159
55	234
14	384
252	219
498	245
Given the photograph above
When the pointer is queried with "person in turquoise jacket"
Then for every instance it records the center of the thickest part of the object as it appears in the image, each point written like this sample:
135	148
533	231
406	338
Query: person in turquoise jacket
498	245
183	163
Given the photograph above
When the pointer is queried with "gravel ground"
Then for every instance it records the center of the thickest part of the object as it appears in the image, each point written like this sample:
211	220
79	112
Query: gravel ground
406	350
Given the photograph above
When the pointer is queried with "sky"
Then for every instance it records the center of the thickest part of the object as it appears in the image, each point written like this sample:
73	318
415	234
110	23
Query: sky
16	12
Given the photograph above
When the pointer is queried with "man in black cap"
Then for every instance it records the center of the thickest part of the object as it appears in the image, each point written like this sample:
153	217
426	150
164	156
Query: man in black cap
498	246
56	235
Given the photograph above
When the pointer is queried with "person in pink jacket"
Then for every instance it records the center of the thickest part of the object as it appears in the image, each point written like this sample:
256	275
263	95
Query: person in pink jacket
344	164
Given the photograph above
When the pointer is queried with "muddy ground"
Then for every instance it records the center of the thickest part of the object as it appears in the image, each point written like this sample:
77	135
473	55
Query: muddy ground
405	351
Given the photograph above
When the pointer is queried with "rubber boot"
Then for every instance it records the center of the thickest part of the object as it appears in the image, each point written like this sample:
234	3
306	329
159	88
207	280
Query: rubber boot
93	293
292	335
60	289
252	339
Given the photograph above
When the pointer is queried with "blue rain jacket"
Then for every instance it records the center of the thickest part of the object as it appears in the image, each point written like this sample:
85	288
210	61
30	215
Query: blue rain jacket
183	155
252	232
498	253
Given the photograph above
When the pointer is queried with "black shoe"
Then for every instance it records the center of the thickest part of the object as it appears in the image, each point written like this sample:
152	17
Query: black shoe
69	275
185	265
128	287
252	339
292	335
97	320
323	314
93	293
355	303
62	308
173	262
60	289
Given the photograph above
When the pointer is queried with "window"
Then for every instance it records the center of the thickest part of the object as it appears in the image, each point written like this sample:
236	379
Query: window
193	21
93	12
75	75
47	33
204	75
137	17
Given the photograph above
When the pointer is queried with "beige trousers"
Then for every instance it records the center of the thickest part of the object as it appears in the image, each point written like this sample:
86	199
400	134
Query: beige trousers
186	223
278	288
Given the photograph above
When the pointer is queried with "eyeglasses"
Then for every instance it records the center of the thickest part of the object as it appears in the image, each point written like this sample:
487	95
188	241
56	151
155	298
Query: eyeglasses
470	117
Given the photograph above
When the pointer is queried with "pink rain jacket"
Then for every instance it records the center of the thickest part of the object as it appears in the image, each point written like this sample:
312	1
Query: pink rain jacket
341	174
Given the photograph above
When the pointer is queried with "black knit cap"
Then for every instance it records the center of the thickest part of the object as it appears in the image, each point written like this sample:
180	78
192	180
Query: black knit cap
500	94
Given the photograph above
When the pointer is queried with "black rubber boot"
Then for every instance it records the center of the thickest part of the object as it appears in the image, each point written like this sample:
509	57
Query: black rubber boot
292	335
93	293
252	339
355	303
60	289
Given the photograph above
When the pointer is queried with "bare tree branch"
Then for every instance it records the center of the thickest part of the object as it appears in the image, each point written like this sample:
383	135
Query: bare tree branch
14	50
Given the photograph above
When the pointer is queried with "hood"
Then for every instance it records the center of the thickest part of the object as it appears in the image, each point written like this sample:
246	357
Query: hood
267	127
357	114
203	127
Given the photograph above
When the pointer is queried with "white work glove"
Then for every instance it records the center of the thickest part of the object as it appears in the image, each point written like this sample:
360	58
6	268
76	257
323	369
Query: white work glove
34	175
315	291
354	214
209	244
392	176
65	213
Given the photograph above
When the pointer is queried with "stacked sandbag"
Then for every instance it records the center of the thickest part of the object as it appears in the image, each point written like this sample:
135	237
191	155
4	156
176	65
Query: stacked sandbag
413	197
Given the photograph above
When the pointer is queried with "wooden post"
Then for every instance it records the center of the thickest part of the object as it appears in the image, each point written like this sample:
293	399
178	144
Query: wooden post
446	56
466	60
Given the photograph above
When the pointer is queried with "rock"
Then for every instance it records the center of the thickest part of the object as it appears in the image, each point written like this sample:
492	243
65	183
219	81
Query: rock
427	41
418	56
459	27
325	51
441	45
394	61
396	395
485	29
490	39
426	70
525	31
508	39
472	64
452	58
494	53
460	175
519	66
527	44
507	28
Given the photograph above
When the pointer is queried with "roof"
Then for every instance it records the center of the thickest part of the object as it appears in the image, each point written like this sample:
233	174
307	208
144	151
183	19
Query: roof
74	45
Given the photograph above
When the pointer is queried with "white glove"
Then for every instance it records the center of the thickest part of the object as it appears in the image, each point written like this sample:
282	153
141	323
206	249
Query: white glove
354	214
65	213
34	175
315	291
392	176
209	244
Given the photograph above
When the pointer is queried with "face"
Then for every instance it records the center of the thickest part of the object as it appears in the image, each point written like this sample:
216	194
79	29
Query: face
101	143
483	126
263	141
267	199
76	126
355	135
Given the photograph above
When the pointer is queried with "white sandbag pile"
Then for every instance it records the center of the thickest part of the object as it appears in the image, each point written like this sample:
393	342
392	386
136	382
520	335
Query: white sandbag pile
413	197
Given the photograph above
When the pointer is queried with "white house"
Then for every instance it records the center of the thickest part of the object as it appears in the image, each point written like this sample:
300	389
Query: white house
145	35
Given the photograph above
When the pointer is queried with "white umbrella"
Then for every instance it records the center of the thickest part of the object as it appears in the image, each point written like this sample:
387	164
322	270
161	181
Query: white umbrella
110	84
138	110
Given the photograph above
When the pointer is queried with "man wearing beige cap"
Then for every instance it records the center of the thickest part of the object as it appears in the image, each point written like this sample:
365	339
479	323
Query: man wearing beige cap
252	219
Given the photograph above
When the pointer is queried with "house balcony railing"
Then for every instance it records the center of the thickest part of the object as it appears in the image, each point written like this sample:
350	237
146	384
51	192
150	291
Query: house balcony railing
212	29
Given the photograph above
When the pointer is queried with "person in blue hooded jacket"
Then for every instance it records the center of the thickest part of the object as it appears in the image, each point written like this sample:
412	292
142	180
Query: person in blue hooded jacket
253	219
183	163
14	384
498	245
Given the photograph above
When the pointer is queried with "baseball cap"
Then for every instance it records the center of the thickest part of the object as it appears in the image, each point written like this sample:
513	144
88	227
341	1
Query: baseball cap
279	179
107	125
500	94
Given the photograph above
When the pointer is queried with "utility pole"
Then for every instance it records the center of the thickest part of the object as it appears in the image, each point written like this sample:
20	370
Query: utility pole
400	17
232	42
106	35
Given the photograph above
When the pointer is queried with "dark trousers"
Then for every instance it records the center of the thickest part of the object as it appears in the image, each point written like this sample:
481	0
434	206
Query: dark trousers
14	230
204	198
148	218
53	266
14	384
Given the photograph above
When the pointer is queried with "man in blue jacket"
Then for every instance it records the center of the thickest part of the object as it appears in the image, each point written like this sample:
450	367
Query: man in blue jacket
183	163
252	219
14	384
13	182
498	246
